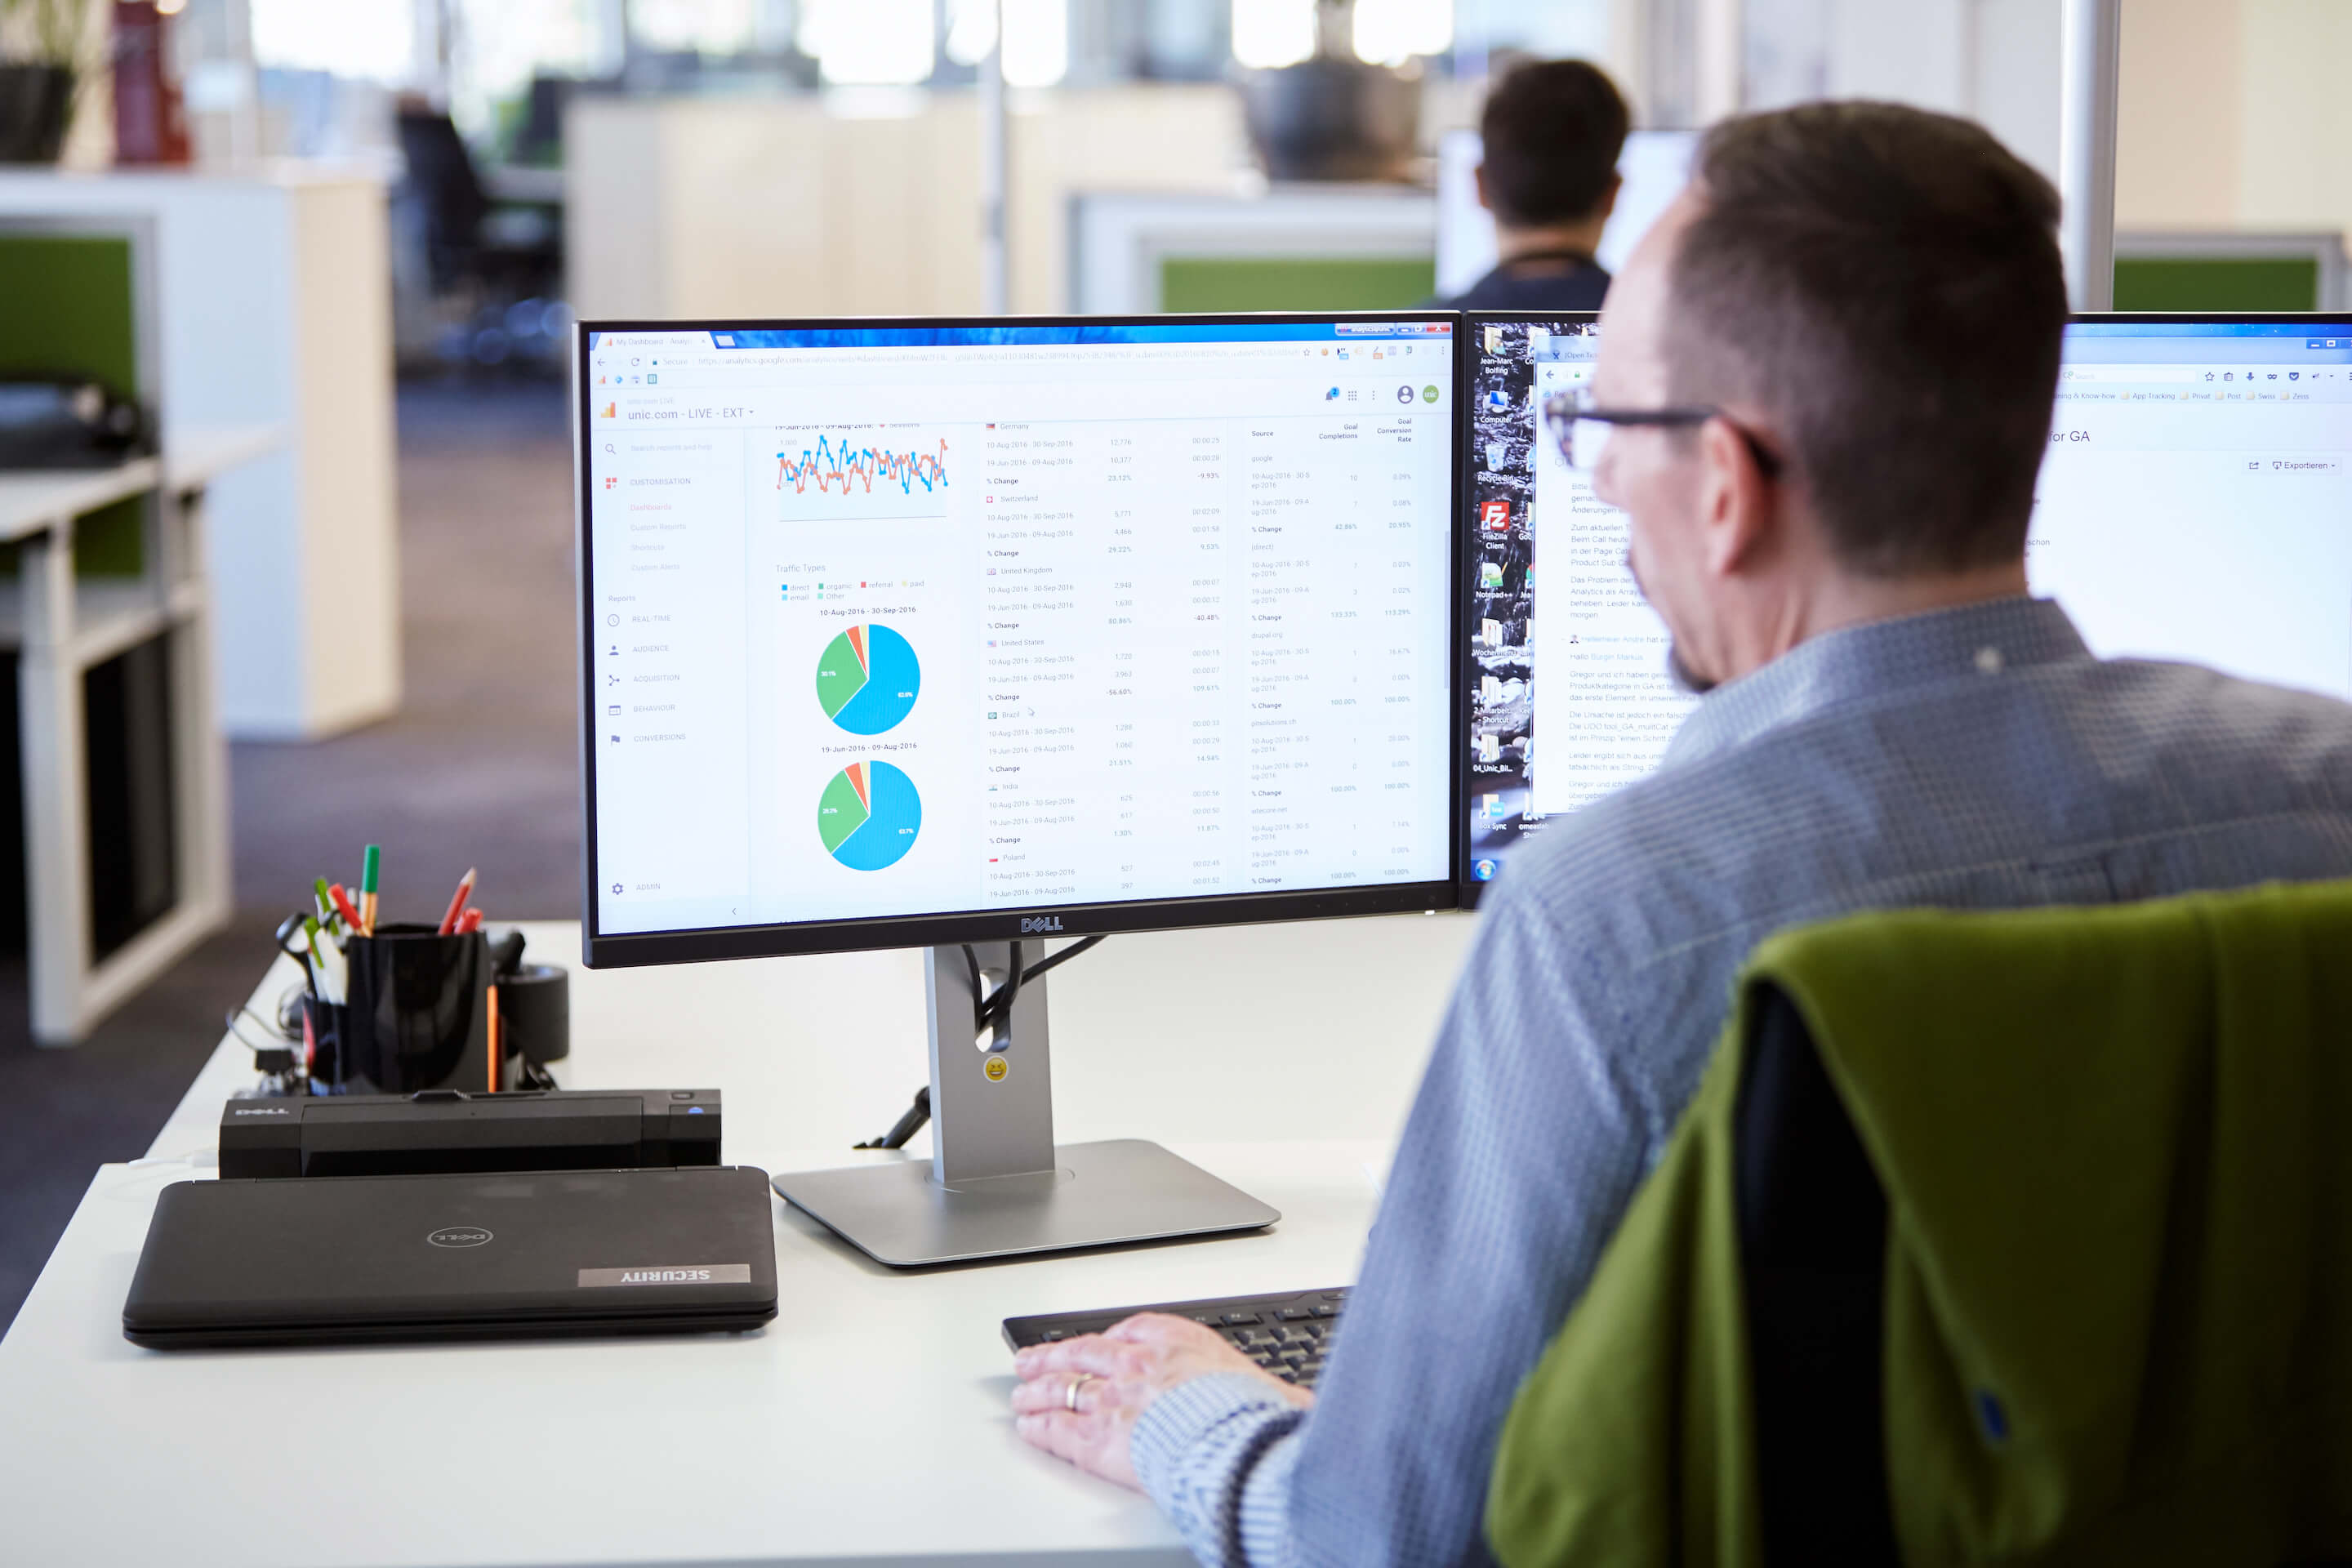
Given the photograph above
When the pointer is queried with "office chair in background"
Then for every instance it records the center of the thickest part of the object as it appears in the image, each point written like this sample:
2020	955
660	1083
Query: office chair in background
495	271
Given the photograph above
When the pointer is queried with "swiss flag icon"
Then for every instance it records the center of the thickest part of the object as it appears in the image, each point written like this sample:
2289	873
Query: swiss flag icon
1495	516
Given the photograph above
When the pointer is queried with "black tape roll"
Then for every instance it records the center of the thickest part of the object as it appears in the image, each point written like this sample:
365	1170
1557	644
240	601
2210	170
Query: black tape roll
535	1012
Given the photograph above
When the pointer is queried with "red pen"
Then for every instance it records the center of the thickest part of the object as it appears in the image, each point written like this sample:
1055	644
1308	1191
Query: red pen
342	902
458	903
470	922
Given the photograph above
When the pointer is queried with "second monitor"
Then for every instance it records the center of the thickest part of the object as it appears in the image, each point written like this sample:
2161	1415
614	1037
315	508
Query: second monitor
2191	505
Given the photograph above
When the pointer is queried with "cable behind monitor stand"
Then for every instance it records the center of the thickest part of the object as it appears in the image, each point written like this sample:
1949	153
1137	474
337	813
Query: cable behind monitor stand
985	1015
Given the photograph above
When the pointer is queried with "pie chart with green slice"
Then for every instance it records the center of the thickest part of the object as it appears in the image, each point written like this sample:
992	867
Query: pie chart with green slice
868	678
868	816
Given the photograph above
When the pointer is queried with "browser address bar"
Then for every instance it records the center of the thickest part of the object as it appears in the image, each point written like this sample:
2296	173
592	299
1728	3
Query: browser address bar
2136	374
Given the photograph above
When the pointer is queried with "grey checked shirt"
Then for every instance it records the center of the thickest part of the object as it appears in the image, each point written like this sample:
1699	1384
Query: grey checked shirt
1969	758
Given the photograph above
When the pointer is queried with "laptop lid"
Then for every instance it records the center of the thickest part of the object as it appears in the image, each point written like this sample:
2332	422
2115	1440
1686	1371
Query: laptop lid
555	1251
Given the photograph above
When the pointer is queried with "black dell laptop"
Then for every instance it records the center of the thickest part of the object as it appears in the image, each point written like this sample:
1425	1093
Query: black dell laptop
341	1259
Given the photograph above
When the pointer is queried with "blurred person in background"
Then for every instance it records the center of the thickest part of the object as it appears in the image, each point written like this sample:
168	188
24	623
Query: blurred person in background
1552	131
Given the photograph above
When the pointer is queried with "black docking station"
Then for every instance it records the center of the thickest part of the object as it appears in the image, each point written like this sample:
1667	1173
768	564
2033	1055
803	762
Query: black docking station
447	1132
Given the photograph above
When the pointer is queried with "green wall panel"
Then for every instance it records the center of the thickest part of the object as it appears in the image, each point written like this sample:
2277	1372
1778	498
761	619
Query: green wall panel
1296	283
2217	283
71	311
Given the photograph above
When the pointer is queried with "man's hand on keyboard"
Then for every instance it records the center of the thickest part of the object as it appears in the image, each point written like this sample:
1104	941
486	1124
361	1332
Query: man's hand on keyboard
1118	1373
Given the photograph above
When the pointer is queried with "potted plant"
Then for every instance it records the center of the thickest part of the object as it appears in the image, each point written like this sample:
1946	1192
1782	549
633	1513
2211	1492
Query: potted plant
40	67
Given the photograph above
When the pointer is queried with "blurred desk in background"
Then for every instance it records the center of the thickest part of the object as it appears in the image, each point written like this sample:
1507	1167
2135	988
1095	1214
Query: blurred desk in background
274	308
122	772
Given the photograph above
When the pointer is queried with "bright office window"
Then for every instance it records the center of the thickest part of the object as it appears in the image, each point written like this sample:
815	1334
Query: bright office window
374	42
1390	32
879	43
972	30
1036	42
710	26
1036	38
500	44
1551	29
1270	33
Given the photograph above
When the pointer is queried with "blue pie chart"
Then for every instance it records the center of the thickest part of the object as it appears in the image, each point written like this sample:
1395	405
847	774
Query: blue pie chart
867	679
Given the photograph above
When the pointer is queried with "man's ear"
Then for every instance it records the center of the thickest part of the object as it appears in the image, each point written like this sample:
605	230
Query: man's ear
1479	178
1738	506
1608	207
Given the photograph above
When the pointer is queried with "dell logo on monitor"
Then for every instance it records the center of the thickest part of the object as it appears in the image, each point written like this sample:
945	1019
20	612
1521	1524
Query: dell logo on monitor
1034	923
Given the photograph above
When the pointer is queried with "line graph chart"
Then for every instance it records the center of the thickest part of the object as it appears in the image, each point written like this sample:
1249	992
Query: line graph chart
850	475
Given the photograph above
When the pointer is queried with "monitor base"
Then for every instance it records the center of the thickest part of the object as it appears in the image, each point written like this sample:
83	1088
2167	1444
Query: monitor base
1100	1195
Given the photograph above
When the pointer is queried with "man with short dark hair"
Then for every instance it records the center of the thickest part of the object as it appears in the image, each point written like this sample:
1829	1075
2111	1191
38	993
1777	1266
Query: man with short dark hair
1823	390
1552	131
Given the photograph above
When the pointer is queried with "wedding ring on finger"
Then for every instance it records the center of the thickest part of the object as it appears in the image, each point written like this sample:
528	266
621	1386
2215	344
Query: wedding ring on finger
1070	1398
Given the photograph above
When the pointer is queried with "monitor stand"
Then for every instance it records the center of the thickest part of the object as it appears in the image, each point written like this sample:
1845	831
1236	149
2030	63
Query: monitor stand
997	1187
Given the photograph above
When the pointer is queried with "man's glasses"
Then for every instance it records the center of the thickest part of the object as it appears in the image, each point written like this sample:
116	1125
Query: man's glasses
1580	427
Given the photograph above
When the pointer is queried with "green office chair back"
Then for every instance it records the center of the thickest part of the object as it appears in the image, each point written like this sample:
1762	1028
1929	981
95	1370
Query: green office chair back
2063	1222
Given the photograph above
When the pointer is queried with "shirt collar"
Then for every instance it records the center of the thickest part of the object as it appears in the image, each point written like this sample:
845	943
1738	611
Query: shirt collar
1875	660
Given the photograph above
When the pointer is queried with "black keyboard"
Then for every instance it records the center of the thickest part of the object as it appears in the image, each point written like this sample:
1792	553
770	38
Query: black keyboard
1288	1335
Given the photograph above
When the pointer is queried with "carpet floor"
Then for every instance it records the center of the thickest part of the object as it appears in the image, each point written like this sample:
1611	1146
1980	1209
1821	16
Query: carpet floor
477	769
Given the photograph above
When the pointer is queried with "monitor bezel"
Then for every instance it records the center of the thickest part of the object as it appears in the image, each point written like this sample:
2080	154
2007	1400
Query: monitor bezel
608	950
1468	890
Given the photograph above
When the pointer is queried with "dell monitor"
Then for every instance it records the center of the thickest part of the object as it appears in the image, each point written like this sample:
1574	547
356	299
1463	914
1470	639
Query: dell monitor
957	635
2193	505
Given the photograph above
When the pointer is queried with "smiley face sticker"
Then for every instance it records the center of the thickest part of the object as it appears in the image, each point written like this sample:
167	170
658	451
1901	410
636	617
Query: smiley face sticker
994	1069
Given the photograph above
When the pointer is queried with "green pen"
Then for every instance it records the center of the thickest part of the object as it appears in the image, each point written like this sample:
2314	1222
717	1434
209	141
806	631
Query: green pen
368	869
326	905
321	983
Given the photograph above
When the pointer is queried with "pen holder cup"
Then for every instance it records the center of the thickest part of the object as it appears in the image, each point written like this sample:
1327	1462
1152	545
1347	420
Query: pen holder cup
417	1016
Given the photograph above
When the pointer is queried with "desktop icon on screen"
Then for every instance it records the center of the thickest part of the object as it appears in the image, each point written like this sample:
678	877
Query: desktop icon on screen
1482	869
1495	516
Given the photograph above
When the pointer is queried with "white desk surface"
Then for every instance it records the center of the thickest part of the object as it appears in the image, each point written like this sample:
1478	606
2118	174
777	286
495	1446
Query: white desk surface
867	1424
33	499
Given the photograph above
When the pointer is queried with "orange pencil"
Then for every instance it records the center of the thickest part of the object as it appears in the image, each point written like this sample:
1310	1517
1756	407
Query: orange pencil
457	903
470	922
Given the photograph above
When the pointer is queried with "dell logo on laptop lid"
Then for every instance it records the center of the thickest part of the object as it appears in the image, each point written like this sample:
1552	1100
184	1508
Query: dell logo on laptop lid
1031	924
459	1236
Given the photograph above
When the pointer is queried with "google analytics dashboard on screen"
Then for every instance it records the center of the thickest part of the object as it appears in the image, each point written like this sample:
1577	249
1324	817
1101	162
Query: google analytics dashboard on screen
902	621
